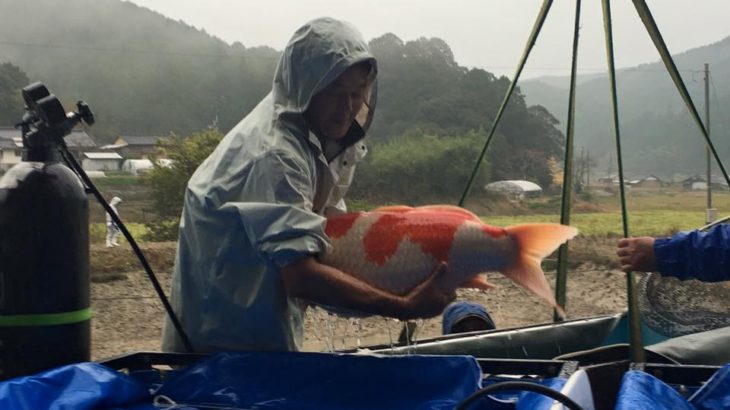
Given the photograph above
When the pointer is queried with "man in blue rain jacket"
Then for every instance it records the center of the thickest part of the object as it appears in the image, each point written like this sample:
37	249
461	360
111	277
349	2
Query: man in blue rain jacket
686	255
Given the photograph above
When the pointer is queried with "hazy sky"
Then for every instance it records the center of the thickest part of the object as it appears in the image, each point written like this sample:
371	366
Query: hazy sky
490	34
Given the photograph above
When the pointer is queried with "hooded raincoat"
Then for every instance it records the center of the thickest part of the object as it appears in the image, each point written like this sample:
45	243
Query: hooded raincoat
259	201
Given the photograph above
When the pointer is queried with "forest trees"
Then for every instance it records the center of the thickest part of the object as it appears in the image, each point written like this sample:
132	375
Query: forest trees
421	87
428	132
165	76
12	80
418	169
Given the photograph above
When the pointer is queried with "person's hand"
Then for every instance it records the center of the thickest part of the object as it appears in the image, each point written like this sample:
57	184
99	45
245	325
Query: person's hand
429	298
636	254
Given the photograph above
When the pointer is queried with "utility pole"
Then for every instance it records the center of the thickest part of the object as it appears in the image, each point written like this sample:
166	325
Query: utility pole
711	214
588	168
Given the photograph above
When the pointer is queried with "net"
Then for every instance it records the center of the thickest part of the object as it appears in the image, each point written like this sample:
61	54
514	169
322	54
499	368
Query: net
675	308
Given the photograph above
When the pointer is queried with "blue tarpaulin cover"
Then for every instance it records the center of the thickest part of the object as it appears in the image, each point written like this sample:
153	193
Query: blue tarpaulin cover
327	381
715	393
79	387
641	390
273	380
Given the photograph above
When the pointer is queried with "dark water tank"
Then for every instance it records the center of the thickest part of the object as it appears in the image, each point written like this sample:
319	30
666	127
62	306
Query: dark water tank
44	267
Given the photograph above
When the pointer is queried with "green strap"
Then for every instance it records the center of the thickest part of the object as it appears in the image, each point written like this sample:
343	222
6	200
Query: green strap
46	319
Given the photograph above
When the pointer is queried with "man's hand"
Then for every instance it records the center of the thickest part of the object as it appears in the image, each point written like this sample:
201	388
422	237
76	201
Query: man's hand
430	297
636	254
310	280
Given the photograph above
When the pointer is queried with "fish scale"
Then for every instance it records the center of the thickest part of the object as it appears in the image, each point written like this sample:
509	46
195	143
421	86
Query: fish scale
402	271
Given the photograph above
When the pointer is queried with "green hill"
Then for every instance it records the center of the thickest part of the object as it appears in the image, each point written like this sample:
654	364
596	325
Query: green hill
659	135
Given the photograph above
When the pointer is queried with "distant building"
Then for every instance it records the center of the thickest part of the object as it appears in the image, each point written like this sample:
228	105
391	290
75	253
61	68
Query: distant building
695	183
10	153
101	161
514	189
649	181
11	145
78	142
137	167
609	180
134	147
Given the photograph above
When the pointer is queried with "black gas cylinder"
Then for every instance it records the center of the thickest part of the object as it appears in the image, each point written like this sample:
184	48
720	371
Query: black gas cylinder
44	266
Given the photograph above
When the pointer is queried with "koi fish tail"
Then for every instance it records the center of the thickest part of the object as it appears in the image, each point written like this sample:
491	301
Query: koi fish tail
535	241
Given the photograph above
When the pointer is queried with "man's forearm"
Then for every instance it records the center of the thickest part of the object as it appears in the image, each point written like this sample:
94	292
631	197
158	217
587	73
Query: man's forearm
310	280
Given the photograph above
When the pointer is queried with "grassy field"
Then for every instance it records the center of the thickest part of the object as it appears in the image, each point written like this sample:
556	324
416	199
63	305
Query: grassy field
649	212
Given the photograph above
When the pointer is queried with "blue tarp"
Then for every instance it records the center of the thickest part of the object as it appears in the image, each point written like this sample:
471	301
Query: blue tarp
641	390
260	381
327	381
78	387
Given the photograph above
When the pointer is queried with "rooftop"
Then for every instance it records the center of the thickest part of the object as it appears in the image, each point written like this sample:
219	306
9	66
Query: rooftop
77	138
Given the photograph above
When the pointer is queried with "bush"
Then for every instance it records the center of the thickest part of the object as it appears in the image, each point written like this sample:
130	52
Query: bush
168	183
418	168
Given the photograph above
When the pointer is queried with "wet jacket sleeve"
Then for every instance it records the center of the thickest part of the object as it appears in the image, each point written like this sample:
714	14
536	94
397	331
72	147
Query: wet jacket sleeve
275	209
695	254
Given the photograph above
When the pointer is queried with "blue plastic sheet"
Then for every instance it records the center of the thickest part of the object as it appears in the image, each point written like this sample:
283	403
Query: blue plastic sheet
641	390
297	381
79	387
715	393
300	381
535	401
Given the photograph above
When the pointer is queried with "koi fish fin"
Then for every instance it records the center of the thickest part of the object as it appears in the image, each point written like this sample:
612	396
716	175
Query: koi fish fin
393	208
478	282
452	209
535	242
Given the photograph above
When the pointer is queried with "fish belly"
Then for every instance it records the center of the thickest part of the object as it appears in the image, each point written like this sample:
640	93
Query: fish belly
400	272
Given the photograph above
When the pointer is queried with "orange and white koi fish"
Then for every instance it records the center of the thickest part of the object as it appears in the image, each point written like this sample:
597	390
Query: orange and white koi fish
397	247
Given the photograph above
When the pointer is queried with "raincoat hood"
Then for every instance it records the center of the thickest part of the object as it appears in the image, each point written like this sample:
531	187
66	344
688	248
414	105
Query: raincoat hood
318	53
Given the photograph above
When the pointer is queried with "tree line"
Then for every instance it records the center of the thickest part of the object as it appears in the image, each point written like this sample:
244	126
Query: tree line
145	74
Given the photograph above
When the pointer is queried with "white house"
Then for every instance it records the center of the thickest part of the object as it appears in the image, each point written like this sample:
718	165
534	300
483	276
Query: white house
137	166
11	152
517	189
140	166
101	161
11	145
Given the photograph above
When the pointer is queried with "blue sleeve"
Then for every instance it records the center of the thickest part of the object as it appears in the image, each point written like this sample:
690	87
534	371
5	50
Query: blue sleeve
695	254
